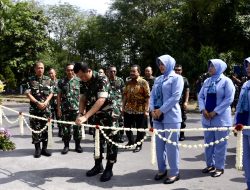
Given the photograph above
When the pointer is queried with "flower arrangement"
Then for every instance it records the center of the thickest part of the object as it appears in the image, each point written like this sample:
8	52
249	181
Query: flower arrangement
1	86
5	143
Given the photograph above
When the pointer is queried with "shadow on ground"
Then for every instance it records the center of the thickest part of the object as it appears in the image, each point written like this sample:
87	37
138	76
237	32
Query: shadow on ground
36	178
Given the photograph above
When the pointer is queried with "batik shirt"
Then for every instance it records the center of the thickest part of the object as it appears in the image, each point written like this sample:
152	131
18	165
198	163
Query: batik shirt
136	94
70	94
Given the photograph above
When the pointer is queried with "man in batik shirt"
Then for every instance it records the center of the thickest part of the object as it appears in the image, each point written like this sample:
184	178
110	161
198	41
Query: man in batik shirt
135	105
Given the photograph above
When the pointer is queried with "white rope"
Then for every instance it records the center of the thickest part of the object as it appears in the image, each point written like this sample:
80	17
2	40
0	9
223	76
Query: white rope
155	132
7	119
120	145
32	130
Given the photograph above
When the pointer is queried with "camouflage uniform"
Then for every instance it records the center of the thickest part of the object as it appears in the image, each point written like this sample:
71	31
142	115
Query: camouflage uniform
108	113
150	81
53	102
70	95
40	88
117	86
181	102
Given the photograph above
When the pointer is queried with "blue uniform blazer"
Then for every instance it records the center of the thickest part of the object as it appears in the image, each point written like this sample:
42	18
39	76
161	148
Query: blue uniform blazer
225	91
244	87
172	88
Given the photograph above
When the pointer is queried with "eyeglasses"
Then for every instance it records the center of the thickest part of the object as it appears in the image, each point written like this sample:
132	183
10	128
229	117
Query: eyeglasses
177	69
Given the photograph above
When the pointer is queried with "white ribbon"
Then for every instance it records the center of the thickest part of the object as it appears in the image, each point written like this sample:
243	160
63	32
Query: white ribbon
83	132
153	148
239	151
97	143
21	124
50	138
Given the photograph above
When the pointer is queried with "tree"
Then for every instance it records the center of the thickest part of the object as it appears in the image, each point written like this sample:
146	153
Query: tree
23	38
65	23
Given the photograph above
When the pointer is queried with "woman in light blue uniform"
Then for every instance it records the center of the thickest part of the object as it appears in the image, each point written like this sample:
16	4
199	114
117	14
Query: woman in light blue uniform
166	113
242	116
215	98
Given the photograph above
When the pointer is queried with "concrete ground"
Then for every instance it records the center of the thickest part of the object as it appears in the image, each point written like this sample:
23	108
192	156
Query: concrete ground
19	170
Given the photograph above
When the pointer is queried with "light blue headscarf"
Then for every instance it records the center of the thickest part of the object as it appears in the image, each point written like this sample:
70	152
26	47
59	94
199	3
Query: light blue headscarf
220	66
169	63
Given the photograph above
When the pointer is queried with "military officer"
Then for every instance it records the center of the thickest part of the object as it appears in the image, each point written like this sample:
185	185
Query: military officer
68	107
100	106
39	91
53	102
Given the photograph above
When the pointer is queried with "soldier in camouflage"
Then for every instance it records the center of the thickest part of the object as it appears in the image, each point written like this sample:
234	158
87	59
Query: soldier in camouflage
100	110
39	90
117	85
183	100
68	108
53	101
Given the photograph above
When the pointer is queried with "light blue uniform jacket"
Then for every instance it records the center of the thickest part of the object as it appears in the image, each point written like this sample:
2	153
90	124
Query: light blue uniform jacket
172	88
225	91
245	86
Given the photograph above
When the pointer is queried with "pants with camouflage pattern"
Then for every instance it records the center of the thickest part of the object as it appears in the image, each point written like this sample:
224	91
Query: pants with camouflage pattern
38	125
67	129
105	119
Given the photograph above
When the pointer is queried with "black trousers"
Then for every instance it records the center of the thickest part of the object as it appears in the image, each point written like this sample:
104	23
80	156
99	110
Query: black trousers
137	121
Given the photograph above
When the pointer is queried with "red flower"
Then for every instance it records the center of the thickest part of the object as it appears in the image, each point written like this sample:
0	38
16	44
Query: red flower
239	127
151	129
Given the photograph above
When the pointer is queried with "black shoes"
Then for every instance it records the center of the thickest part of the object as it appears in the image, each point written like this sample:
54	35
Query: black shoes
65	150
182	136
137	149
170	180
78	147
208	169
45	152
38	150
106	176
37	153
160	176
217	173
95	170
